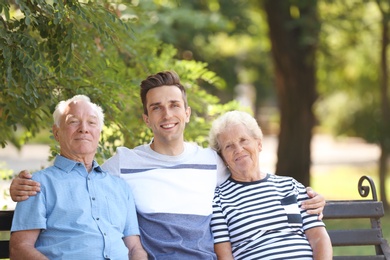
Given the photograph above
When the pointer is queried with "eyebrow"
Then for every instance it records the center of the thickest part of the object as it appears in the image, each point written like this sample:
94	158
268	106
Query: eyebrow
159	103
69	116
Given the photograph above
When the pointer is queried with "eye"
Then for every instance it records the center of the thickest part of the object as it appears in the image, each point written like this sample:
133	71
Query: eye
244	140
228	146
175	104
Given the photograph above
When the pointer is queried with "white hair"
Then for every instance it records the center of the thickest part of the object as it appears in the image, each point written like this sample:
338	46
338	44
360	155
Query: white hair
62	105
223	123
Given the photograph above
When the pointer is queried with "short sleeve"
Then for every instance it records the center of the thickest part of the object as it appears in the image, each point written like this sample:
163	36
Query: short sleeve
218	224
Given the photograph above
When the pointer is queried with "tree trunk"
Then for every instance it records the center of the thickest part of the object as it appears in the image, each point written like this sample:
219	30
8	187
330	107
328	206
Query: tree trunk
385	106
293	29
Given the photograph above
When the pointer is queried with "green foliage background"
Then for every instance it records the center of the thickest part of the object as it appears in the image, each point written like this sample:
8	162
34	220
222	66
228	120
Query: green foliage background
52	50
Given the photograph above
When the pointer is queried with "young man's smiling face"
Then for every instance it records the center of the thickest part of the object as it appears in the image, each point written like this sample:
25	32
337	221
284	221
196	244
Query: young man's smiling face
167	114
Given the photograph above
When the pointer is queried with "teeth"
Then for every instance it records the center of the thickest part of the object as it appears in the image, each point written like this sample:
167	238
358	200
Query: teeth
168	126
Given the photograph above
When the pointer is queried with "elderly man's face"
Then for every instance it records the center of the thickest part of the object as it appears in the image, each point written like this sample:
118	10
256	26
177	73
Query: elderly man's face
79	131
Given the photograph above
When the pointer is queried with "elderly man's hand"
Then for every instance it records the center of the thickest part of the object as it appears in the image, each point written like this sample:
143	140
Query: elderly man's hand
23	187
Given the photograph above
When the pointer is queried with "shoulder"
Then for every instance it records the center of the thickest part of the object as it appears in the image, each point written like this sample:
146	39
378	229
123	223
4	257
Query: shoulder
43	174
286	181
118	182
279	178
124	150
197	150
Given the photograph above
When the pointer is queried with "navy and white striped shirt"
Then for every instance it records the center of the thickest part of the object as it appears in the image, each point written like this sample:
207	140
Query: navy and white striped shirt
263	219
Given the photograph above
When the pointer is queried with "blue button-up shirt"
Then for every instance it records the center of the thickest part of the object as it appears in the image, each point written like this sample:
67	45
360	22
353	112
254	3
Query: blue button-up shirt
82	215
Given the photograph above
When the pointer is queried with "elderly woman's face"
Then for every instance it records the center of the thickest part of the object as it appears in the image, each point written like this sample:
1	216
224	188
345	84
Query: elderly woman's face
240	150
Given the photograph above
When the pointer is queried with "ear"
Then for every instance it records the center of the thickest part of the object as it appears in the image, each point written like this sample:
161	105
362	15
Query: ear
146	119
260	145
55	132
188	114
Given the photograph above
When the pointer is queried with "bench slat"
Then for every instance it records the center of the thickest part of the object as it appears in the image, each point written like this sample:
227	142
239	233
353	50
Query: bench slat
353	209
4	249
6	219
367	257
5	225
355	237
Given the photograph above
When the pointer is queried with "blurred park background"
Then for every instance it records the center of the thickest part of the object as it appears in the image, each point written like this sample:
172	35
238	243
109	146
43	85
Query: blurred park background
314	73
302	68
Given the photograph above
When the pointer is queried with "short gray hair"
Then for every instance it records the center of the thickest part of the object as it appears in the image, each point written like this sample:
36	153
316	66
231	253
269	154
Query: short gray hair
223	122
62	105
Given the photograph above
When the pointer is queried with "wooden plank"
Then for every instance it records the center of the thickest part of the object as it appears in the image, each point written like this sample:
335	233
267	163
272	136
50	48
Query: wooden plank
356	237
6	219
366	257
353	209
4	249
5	225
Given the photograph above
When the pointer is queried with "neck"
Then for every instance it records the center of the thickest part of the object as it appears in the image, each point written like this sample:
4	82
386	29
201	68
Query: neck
249	177
88	166
170	148
87	161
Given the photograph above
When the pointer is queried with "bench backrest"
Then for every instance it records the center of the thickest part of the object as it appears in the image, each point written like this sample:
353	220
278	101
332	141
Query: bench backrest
372	210
5	225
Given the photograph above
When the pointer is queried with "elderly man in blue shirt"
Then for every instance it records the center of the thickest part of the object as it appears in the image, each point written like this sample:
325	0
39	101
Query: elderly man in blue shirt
82	212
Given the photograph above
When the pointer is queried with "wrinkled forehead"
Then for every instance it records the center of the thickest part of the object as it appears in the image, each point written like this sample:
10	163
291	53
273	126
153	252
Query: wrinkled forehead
233	132
80	109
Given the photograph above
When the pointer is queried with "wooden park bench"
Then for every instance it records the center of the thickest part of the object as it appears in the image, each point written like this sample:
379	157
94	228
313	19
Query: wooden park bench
350	210
372	210
5	227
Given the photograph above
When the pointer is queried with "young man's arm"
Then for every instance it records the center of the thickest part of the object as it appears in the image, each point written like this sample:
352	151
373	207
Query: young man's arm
22	187
22	245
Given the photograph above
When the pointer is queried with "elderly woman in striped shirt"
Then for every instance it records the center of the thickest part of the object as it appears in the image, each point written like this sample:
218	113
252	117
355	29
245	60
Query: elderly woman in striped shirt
257	215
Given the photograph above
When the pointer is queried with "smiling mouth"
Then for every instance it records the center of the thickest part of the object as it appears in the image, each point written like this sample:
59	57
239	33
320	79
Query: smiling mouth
240	157
168	126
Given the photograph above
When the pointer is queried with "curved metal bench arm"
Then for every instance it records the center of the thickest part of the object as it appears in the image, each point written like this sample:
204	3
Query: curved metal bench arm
365	190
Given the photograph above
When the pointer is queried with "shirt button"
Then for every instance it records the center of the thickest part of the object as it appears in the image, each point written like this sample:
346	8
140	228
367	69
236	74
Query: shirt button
97	218
93	198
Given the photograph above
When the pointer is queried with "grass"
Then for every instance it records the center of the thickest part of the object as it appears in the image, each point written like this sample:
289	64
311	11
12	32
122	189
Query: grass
341	184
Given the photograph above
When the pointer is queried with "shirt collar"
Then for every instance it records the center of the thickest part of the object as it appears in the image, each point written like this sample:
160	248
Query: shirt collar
67	165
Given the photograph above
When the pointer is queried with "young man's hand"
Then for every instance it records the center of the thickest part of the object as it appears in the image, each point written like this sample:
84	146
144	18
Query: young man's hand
316	203
22	187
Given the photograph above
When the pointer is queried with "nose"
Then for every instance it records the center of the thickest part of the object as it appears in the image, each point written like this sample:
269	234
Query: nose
167	113
83	127
238	148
